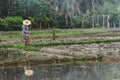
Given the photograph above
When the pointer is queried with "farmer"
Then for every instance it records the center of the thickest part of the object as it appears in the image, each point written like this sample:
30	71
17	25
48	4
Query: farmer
25	32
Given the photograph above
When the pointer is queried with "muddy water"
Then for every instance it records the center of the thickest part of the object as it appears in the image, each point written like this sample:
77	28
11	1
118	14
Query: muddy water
88	71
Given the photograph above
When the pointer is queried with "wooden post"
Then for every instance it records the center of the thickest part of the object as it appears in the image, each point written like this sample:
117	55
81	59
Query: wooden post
53	33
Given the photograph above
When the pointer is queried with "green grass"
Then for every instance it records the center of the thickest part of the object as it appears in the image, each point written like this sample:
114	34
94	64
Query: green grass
20	46
36	45
79	31
111	54
74	42
43	33
36	56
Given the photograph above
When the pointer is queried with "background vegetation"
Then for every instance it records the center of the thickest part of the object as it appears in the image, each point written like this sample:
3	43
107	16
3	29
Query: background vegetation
46	14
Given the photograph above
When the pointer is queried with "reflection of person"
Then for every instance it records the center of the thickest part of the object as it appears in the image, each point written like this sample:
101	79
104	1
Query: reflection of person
25	32
27	68
28	71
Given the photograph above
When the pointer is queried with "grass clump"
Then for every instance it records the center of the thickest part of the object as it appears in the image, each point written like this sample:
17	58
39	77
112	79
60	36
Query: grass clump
100	56
36	45
36	55
81	59
111	53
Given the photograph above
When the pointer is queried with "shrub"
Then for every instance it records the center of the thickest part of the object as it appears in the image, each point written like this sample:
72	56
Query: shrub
14	23
3	25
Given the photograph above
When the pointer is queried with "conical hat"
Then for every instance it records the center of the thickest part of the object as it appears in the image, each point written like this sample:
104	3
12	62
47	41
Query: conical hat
26	22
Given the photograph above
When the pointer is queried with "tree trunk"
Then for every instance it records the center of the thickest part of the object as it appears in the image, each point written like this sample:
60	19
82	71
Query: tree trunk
108	24
114	24
98	19
6	9
66	20
93	26
40	25
82	24
119	21
103	21
86	4
71	22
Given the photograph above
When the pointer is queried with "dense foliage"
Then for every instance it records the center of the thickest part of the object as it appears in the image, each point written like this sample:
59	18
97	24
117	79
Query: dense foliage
59	13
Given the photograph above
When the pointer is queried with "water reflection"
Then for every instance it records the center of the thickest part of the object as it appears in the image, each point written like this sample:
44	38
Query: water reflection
91	71
28	69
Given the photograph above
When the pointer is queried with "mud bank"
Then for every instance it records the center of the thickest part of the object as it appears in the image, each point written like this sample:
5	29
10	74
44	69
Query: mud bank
112	48
43	61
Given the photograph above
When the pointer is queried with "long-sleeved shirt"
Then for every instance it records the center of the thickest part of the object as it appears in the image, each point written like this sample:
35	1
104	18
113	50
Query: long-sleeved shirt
25	31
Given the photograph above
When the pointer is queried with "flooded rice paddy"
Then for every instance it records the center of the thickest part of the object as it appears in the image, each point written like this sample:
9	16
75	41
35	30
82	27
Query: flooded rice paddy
79	71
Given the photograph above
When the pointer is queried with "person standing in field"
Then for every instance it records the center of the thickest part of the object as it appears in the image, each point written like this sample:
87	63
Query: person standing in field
25	31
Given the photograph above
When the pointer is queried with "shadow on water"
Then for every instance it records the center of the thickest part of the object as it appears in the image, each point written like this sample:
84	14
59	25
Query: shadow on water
89	71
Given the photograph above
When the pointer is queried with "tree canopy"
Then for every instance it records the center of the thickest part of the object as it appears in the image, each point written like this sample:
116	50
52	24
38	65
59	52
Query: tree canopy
59	13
